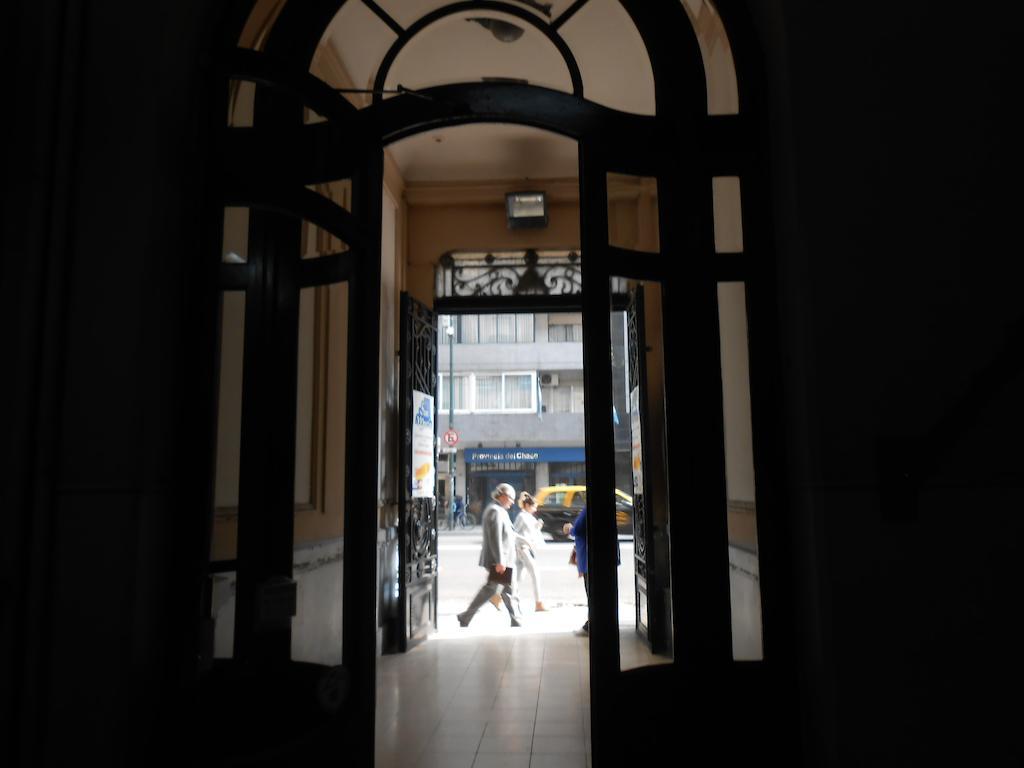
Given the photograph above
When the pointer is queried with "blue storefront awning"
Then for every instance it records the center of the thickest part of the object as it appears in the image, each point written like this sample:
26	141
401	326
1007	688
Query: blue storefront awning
528	455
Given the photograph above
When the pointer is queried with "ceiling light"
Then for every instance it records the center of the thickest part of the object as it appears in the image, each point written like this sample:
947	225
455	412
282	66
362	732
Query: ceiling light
526	210
504	31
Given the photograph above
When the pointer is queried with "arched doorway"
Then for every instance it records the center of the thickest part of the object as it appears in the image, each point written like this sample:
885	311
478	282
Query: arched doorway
679	132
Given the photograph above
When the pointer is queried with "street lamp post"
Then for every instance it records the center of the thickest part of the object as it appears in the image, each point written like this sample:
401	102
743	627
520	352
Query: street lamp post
450	331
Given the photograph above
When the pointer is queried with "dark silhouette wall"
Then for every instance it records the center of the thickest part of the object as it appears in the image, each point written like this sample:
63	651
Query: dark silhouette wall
901	328
899	375
106	155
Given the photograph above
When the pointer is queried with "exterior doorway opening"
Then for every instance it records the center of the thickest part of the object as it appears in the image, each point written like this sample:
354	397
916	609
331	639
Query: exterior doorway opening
385	153
511	410
509	407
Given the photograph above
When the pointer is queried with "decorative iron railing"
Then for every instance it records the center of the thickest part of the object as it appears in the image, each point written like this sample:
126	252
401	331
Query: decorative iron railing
509	273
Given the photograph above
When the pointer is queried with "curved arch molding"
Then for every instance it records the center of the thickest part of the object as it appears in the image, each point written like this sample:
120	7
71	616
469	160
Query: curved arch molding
331	150
255	192
677	62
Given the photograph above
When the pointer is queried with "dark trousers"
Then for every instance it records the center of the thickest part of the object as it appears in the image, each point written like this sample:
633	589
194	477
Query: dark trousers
488	590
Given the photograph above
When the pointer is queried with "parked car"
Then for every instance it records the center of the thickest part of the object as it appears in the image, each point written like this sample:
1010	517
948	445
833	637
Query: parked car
560	504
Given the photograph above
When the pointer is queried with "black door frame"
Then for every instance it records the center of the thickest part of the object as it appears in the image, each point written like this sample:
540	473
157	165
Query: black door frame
279	201
722	145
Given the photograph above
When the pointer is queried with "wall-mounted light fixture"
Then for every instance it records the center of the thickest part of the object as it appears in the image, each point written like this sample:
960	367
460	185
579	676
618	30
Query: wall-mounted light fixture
526	210
503	31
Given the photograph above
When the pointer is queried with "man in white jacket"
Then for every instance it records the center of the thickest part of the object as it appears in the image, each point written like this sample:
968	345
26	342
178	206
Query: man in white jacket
498	556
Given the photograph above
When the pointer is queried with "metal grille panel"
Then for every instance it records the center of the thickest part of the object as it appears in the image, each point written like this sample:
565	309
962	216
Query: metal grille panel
418	517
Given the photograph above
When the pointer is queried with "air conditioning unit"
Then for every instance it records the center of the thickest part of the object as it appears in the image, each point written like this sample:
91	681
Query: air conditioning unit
549	379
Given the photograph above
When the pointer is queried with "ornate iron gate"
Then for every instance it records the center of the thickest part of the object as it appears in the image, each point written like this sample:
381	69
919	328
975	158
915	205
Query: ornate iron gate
417	524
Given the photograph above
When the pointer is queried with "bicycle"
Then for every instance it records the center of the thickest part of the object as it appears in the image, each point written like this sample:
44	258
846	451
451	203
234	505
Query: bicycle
466	521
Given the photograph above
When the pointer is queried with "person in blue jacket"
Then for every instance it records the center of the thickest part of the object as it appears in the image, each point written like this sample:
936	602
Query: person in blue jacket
460	512
578	531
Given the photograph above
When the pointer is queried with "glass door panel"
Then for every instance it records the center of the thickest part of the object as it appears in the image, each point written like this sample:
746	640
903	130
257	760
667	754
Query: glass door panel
741	508
641	494
224	534
320	474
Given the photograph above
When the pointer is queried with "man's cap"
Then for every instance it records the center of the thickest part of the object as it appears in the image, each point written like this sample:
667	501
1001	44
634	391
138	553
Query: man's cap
503	489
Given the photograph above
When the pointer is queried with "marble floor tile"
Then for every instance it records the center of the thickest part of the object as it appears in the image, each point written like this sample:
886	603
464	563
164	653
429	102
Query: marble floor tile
502	761
513	711
460	726
511	695
566	712
453	742
506	743
558	728
558	744
563	760
477	715
505	727
446	760
487	701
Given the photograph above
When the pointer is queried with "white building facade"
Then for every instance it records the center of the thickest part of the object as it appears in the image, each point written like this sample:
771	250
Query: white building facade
516	384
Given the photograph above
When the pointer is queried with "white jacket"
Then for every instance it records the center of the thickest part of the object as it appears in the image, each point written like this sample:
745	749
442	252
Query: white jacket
528	527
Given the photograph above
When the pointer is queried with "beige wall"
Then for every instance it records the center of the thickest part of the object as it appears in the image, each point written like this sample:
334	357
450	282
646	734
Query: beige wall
320	462
320	402
471	216
320	419
633	212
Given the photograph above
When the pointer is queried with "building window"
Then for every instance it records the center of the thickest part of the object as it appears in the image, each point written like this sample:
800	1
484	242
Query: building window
488	393
565	326
565	398
469	332
489	329
461	392
524	329
567	473
488	325
557	399
506	329
577	398
513	392
518	391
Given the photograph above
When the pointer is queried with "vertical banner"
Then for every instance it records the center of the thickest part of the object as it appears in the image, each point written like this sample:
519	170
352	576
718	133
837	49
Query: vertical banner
422	445
636	442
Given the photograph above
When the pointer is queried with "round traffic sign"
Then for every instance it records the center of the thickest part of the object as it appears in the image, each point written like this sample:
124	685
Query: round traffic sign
451	437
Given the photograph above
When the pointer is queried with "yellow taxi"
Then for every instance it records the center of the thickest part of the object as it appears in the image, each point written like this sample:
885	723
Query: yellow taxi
560	504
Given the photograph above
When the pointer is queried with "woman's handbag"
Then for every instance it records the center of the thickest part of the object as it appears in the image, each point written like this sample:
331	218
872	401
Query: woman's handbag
572	557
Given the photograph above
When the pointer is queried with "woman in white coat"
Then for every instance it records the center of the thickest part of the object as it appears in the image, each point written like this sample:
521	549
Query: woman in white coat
528	526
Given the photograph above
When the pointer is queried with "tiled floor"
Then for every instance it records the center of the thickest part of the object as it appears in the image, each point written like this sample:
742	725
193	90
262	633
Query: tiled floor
491	696
488	696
